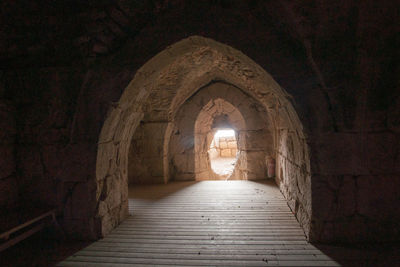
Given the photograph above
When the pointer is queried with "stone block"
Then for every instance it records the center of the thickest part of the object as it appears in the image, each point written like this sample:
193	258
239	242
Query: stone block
254	164
126	126
79	203
152	148
201	162
346	198
7	123
338	154
7	160
232	144
105	160
31	169
393	117
226	153
184	162
156	165
80	229
184	176
323	200
382	150
155	130
204	175
234	152
110	124
8	192
378	196
76	162
254	140
223	145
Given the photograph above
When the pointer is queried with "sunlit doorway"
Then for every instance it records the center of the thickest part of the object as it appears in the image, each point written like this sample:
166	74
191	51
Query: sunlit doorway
223	152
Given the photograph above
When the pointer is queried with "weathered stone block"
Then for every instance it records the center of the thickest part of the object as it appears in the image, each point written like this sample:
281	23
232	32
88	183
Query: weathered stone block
254	165
378	196
382	150
75	162
254	140
346	197
339	154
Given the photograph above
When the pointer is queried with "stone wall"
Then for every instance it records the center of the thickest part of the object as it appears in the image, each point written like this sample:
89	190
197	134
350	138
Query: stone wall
293	174
206	70
337	61
226	147
217	106
9	191
146	153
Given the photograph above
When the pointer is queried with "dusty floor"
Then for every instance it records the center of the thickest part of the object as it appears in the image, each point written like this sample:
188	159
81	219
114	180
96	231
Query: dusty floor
202	223
218	223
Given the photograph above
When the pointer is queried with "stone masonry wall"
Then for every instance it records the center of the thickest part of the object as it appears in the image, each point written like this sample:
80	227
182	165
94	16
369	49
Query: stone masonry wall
64	69
226	146
189	143
9	191
146	153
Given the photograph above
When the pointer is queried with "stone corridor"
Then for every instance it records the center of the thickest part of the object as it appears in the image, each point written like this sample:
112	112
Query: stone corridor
208	223
97	96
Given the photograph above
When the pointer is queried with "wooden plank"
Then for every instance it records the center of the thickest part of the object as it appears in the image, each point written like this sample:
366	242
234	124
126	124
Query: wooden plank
205	256
209	233
205	250
207	223
214	238
195	246
202	231
204	242
201	262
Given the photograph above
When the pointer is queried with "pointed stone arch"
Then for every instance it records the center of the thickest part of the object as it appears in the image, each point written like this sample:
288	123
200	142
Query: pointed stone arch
164	83
193	128
204	133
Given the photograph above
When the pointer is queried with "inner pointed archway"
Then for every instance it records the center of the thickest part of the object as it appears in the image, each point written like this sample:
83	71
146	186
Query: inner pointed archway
218	114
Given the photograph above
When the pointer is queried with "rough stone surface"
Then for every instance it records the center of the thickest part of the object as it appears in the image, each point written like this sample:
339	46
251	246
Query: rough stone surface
201	116
146	153
9	190
63	73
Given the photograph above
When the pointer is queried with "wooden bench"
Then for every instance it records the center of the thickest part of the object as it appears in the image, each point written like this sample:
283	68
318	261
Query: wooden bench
17	225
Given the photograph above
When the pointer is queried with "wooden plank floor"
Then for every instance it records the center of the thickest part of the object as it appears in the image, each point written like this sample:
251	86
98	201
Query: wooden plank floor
208	223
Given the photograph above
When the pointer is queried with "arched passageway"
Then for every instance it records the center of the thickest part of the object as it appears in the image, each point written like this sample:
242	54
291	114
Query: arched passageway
208	146
219	105
155	104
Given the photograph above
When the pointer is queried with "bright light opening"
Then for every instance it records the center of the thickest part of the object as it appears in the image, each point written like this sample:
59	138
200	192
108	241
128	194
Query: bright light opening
222	152
224	133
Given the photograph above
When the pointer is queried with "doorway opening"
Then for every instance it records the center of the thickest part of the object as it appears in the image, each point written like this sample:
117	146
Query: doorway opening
223	152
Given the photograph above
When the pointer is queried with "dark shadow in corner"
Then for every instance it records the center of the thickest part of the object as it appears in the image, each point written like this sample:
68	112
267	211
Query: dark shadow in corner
362	254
